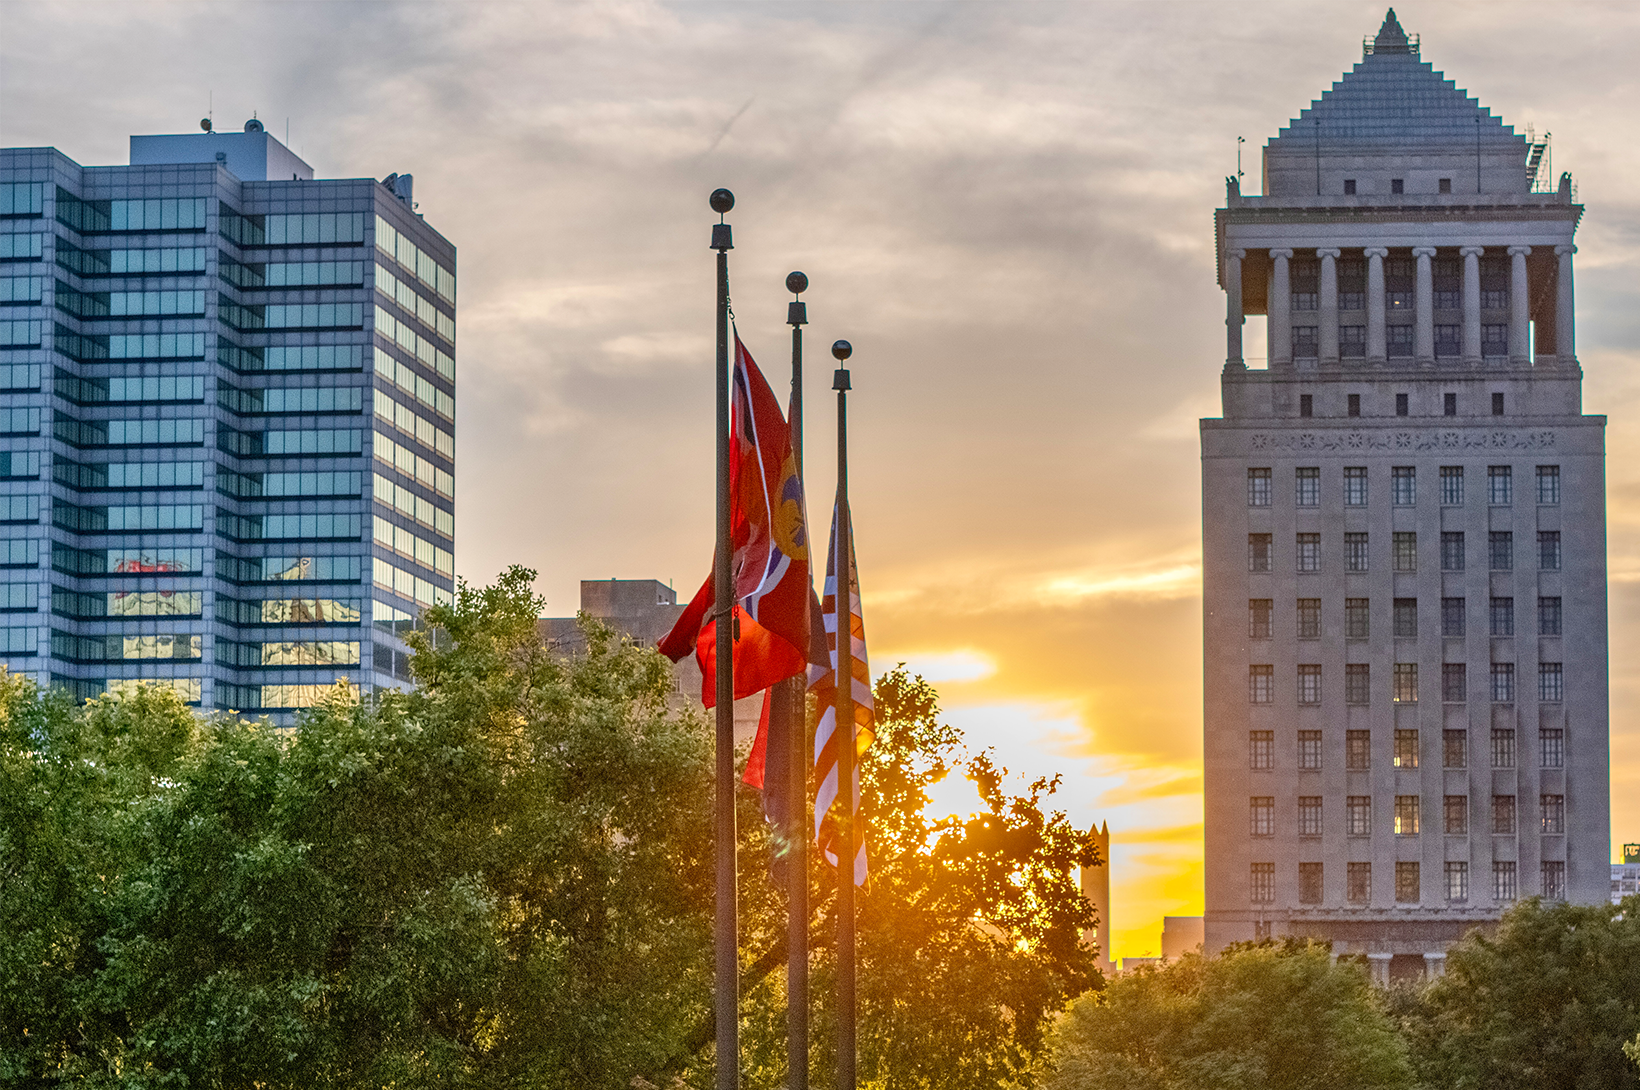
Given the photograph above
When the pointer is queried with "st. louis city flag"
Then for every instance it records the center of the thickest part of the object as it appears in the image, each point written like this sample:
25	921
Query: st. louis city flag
823	684
769	559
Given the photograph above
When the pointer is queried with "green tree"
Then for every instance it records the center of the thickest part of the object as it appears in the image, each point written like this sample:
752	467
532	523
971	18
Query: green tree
968	931
1547	1002
1257	1017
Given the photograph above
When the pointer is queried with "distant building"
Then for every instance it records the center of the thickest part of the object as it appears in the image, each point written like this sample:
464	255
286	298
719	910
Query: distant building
1182	935
1404	534
1626	875
644	610
1096	888
227	438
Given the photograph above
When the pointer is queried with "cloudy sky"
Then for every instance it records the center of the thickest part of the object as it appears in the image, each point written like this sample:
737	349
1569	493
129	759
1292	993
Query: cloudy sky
1007	207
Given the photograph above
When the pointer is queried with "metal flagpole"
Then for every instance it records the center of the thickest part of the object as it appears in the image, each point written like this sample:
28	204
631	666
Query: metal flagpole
725	925
797	804
843	805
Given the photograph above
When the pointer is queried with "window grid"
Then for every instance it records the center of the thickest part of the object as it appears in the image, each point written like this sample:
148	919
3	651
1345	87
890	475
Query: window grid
1355	552
1309	815
1309	618
1259	612
1504	888
1262	883
1405	544
1406	683
1357	750
1548	484
1503	815
1452	551
1309	552
1457	815
1406	815
1552	748
1503	747
1454	682
1309	883
1358	815
1355	484
1357	618
1258	552
1554	880
1500	485
1309	751
1309	683
1549	550
1454	621
1549	616
1552	814
1406	618
1307	486
1503	683
1358	883
1501	616
1457	881
1403	481
1551	683
1258	487
1261	683
1261	746
1500	545
1454	749
1406	748
1358	683
1407	890
1452	486
1261	811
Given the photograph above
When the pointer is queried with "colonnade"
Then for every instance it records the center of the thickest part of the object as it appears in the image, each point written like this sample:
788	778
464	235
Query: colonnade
1279	306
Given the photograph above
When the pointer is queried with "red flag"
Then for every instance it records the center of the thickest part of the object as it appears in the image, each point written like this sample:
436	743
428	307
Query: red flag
769	562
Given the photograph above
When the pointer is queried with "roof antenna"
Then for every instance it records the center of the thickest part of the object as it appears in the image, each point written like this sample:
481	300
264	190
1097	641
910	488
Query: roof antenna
210	111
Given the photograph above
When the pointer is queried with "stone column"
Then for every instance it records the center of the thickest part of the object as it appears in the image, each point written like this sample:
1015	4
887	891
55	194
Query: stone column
1233	318
1565	340
1471	303
1520	308
1434	965
1280	306
1379	964
1376	349
1423	337
1329	306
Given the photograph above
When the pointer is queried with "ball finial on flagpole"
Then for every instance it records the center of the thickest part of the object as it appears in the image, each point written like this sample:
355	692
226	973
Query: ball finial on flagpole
842	350
797	283
722	200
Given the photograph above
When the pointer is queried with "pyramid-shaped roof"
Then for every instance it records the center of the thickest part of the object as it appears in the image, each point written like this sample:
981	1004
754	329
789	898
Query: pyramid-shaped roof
1394	101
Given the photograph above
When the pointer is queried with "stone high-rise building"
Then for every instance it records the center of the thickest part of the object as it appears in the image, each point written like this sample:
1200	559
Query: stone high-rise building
227	440
1404	534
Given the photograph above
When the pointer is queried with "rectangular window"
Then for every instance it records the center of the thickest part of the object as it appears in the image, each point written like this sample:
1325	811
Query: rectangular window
1259	612
1358	815
1406	618
1503	683
1406	550
1353	408
1309	751
1551	748
1549	616
1453	617
1495	342
1358	884
1503	747
1503	882
1500	484
1500	545
1258	488
1503	814
1258	552
1552	814
1449	404
1355	552
1452	550
1355	482
1309	618
1305	337
1457	815
1551	683
1406	748
1309	883
1548	484
1262	879
1309	552
1452	486
1501	613
1554	880
1306	405
1309	815
1398	338
1497	399
1549	550
1262	815
1352	339
1357	750
1261	684
1307	486
1457	881
1357	619
1400	404
1357	683
1403	486
1454	682
1448	338
1406	683
1406	883
1309	684
1454	748
1261	746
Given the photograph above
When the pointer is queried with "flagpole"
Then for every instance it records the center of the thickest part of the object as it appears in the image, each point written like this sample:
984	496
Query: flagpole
844	737
725	923
797	804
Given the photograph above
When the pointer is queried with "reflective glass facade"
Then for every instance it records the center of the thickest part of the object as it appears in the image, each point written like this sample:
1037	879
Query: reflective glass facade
227	435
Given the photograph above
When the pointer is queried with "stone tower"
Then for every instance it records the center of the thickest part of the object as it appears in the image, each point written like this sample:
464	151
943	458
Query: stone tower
1404	534
1096	888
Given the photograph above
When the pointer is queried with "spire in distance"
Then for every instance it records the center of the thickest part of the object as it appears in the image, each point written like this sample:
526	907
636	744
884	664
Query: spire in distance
1391	38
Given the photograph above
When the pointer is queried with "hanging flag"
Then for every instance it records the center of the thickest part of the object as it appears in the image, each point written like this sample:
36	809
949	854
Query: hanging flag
768	763
823	684
769	561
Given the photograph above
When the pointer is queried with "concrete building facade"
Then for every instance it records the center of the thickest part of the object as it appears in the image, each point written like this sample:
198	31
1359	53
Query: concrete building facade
227	441
1404	534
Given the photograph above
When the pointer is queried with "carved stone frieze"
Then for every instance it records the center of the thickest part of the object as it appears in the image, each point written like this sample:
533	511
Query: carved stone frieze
1444	439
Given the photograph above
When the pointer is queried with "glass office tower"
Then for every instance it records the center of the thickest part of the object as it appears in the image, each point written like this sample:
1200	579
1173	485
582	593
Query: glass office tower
227	401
